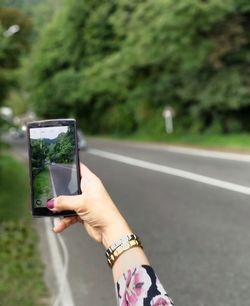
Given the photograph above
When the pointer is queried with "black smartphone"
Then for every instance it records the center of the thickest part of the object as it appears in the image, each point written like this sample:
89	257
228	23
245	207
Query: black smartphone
53	163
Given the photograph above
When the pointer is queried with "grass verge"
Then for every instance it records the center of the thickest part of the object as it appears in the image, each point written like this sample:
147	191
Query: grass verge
14	189
230	142
21	270
42	190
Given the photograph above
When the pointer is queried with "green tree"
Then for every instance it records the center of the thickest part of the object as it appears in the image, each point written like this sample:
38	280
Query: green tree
63	148
39	153
124	61
11	49
18	43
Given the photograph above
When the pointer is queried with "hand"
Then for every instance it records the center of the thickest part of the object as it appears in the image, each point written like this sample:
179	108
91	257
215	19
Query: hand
95	209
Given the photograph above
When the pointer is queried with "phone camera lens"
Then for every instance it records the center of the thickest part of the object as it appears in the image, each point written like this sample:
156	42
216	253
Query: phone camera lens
38	202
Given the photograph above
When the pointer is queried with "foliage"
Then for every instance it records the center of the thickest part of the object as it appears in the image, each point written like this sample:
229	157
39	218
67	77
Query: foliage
40	150
19	266
41	183
12	48
18	43
39	11
59	150
62	150
116	64
20	4
18	101
19	258
14	189
229	143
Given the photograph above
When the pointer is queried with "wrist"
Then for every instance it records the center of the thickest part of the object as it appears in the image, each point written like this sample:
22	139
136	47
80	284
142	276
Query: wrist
122	245
115	232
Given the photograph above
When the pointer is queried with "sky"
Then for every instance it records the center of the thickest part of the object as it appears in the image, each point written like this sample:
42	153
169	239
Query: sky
47	132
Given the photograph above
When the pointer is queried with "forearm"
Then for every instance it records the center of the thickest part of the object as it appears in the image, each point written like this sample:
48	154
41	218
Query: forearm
136	281
140	286
130	258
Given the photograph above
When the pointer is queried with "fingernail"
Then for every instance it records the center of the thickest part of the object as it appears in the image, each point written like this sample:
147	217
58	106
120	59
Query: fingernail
50	204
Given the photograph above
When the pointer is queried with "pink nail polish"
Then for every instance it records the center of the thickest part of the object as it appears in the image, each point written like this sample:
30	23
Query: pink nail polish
50	204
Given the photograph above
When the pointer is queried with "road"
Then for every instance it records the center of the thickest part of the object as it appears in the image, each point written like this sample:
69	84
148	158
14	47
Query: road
196	233
62	177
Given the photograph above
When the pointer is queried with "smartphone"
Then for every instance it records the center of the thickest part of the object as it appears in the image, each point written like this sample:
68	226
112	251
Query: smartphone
53	163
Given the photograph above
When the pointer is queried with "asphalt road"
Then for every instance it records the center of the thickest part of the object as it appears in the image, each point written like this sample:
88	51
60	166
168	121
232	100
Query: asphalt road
197	236
63	179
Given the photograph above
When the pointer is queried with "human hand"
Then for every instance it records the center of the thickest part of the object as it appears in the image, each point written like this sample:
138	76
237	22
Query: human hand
95	209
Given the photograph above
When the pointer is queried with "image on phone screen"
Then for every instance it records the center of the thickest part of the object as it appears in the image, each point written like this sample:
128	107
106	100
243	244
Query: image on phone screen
53	163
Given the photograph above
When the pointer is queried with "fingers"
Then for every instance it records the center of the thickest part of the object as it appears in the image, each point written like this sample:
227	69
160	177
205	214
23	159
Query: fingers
65	203
62	203
64	223
85	171
82	168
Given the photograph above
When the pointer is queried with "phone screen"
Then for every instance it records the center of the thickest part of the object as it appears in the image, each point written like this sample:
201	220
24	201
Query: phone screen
53	162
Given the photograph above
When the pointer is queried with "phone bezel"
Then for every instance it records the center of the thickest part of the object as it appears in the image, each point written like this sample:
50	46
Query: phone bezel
44	211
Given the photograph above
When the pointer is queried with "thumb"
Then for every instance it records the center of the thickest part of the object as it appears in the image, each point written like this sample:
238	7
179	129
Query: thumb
65	203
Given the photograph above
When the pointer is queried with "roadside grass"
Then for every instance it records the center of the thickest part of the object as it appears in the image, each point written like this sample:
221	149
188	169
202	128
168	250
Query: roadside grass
14	190
227	142
41	186
21	269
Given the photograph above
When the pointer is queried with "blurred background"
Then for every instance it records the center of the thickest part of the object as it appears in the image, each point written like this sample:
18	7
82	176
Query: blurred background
164	71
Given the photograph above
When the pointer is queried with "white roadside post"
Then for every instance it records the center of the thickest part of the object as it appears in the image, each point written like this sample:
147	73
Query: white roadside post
168	114
6	113
12	30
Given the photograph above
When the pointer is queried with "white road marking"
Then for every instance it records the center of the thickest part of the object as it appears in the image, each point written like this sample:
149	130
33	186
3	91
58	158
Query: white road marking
172	171
52	183
198	152
209	154
64	296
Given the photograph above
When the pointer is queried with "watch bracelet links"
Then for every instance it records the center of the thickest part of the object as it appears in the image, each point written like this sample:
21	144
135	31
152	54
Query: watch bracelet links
120	246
